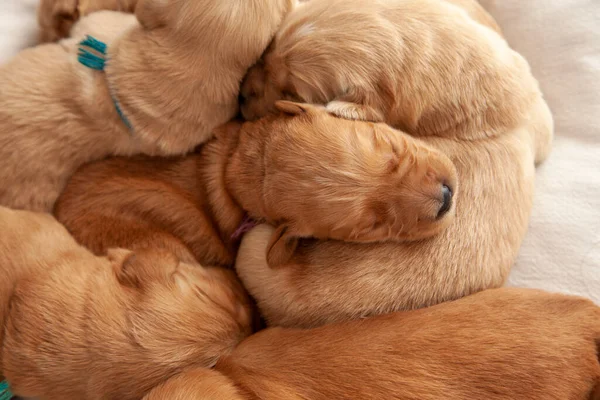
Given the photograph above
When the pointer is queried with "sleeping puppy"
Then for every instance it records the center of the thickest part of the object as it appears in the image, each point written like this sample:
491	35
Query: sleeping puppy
497	345
306	172
76	326
168	79
429	68
57	17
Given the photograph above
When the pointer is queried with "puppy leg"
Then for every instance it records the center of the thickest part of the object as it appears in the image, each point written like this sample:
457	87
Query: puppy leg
55	19
89	6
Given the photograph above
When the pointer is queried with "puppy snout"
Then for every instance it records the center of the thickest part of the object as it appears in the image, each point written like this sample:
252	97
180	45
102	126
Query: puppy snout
446	201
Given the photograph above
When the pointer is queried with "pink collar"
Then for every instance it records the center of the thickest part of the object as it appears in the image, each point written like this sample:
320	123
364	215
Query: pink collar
245	226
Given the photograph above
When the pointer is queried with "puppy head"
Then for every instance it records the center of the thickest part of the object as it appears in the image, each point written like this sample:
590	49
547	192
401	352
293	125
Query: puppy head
180	314
316	55
272	79
331	178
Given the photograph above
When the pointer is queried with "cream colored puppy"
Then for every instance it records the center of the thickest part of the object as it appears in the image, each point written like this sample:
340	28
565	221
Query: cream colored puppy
427	67
168	79
437	71
76	326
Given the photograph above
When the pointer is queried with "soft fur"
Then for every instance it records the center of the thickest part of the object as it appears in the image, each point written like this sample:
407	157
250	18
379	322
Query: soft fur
497	345
424	66
57	17
308	173
447	79
76	326
175	72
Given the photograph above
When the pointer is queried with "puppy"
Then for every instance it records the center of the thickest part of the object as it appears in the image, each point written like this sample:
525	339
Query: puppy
169	78
76	326
308	173
499	344
57	17
429	67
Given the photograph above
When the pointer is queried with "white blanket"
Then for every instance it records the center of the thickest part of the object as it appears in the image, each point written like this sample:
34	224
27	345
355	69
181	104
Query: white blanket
561	39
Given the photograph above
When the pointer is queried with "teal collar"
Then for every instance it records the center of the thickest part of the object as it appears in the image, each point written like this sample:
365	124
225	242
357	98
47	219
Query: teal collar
5	393
98	62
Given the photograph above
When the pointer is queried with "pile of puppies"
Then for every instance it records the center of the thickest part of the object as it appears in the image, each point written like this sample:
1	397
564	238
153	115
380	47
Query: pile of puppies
383	162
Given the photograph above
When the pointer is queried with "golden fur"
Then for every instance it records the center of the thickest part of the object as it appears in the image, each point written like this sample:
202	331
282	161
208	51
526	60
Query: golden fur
175	73
452	82
497	345
308	173
76	326
423	66
57	17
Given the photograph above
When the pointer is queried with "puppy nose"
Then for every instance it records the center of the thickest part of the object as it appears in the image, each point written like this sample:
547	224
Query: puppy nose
241	99
446	201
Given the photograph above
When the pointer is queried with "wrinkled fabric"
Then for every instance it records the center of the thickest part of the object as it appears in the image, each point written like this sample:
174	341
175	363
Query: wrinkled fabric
561	40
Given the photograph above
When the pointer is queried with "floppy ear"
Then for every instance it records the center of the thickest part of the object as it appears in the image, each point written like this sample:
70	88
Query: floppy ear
134	270
354	111
123	264
281	247
152	14
292	108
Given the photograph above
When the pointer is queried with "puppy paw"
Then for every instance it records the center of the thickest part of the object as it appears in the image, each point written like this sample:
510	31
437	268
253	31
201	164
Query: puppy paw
354	111
56	17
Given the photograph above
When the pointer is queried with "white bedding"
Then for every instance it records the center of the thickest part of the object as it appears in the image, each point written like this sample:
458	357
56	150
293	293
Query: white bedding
561	39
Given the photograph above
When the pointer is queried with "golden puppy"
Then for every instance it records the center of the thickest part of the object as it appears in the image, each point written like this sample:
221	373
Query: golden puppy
57	17
170	78
77	326
430	68
309	173
426	67
331	280
497	345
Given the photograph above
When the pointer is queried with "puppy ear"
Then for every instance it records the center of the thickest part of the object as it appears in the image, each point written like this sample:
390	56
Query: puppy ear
354	111
136	269
292	108
281	247
152	14
123	264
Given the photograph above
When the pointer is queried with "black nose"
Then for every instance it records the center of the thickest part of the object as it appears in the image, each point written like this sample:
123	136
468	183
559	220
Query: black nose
241	99
446	202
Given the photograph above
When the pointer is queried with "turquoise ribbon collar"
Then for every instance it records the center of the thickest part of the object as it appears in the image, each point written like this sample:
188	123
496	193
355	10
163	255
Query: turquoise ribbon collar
98	62
5	393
